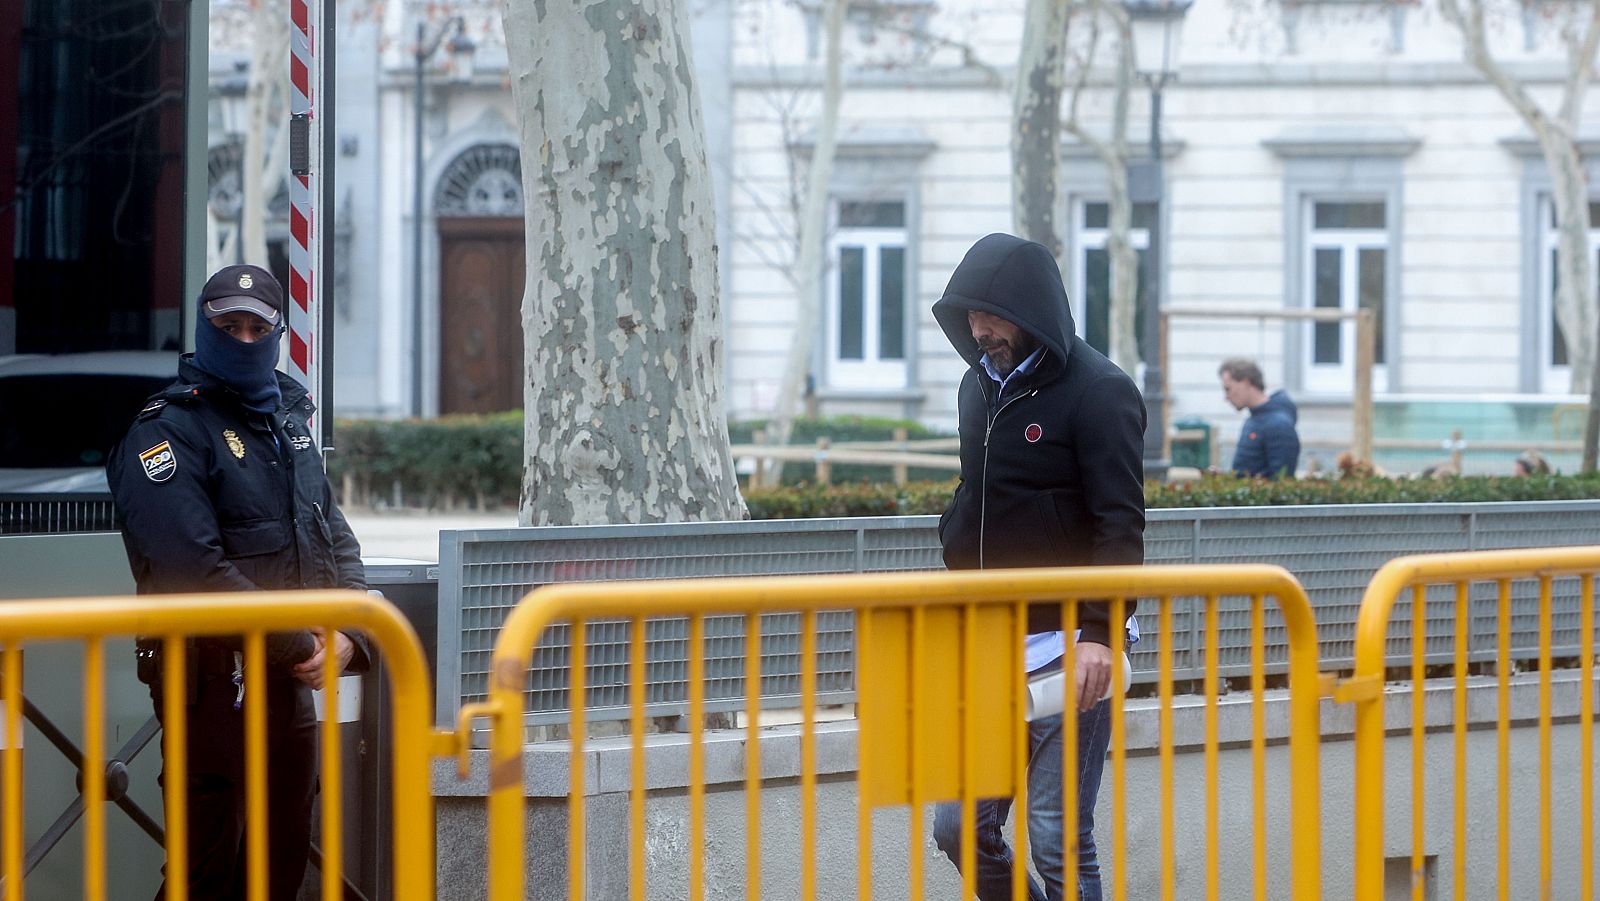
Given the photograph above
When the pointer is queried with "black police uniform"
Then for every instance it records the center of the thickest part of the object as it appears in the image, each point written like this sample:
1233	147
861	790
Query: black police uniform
212	497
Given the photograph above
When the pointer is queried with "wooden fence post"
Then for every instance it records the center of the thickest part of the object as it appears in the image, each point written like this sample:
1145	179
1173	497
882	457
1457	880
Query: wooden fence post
824	468
759	477
900	469
1361	408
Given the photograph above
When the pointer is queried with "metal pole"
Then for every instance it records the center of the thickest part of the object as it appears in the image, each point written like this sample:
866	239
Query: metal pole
329	226
1155	463
416	229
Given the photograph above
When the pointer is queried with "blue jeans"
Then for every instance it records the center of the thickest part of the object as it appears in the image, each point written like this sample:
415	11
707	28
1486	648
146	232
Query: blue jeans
1045	827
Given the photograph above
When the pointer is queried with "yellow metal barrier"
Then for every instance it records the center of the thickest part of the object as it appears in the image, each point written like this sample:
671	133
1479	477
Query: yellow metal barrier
1459	571
940	688
252	615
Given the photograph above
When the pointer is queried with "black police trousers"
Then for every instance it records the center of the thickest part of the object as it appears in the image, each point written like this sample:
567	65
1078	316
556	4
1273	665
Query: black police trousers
216	783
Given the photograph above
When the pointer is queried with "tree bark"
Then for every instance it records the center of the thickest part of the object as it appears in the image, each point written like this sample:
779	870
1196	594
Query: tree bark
623	416
813	228
1036	123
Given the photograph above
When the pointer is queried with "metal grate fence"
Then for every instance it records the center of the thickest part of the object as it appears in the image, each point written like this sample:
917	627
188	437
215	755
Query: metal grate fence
1332	550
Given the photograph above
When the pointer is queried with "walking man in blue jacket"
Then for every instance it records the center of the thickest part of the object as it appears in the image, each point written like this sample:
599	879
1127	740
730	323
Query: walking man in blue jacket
1269	446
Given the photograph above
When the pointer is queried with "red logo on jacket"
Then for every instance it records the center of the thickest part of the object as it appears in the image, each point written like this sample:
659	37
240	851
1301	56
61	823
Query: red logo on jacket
1033	433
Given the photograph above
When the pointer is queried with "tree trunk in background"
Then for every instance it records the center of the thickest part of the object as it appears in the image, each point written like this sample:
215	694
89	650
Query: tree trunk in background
1036	123
1122	340
813	228
264	165
623	416
1557	135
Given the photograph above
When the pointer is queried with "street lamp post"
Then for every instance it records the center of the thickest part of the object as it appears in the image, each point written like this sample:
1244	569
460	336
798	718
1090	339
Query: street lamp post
1157	30
455	27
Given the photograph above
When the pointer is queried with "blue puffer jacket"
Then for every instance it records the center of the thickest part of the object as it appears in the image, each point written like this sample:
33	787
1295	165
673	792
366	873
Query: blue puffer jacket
1268	444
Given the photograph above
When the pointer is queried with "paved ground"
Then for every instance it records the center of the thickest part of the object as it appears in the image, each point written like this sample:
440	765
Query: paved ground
414	534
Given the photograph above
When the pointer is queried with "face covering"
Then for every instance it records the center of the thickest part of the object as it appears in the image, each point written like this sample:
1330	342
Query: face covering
250	369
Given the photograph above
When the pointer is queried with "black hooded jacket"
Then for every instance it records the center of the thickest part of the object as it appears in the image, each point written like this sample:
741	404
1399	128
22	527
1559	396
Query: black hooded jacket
1052	473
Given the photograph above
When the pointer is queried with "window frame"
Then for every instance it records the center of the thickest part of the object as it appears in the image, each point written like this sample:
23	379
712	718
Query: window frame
1338	170
1534	217
1085	239
871	372
1336	378
1550	378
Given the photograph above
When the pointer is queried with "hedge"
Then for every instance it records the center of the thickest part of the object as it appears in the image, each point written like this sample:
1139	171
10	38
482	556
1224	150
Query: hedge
440	463
804	501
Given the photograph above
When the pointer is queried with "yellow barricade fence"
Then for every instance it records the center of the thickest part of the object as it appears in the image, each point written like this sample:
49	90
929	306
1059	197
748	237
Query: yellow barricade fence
175	619
940	692
1446	581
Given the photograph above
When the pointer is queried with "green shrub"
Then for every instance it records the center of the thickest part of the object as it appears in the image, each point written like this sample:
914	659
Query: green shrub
444	462
806	501
1230	491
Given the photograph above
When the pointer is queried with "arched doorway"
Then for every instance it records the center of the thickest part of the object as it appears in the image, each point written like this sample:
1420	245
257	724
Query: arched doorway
478	203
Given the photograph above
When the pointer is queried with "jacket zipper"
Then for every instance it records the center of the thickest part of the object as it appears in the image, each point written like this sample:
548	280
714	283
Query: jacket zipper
983	502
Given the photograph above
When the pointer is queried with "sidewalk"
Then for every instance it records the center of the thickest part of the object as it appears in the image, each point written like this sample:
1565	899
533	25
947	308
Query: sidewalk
414	534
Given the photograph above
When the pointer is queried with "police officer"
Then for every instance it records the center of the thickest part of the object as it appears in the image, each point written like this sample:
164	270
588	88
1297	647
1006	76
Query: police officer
219	487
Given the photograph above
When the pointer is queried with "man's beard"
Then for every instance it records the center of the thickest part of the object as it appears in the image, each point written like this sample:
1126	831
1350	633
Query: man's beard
1005	356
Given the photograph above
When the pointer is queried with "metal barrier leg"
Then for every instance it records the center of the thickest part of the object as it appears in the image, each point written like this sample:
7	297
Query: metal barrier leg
350	893
116	784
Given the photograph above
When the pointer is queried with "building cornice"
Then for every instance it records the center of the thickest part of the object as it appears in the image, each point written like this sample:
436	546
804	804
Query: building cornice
1524	146
872	141
1342	140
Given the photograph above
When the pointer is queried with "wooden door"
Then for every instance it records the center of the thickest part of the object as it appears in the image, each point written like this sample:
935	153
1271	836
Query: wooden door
480	328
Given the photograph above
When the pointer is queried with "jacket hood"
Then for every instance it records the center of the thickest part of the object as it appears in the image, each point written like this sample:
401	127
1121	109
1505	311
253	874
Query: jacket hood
1278	402
1014	279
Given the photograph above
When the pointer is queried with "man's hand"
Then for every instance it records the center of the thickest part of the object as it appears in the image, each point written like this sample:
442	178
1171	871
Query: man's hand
310	672
1093	673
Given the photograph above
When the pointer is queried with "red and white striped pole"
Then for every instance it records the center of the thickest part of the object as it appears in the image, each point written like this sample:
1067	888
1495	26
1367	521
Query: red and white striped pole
305	352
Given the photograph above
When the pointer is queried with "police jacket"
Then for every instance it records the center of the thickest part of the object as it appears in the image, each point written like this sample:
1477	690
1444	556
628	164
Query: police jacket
1051	473
212	497
1268	443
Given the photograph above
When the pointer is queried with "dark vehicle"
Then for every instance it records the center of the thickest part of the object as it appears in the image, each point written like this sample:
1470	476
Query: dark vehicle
60	415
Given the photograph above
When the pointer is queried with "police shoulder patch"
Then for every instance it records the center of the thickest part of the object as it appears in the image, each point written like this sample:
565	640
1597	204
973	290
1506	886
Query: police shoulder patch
159	462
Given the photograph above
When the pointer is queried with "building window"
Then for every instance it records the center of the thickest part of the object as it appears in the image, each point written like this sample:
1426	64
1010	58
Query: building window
1346	268
1090	293
1555	371
866	322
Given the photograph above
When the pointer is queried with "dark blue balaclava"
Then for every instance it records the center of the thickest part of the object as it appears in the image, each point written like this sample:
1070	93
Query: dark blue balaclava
250	369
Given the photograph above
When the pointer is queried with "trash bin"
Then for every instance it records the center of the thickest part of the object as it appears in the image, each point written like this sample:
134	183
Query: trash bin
1191	443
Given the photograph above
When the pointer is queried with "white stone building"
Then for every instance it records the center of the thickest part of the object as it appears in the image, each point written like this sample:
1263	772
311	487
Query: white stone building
1316	154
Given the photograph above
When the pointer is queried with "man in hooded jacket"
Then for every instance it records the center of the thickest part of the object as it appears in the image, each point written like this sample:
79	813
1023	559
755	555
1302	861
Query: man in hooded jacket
219	487
1052	443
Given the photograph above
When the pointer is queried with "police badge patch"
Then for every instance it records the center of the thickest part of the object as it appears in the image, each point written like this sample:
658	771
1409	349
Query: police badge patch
159	462
235	444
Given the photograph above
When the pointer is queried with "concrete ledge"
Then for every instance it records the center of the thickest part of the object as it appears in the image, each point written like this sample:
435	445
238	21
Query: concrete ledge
608	761
608	765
